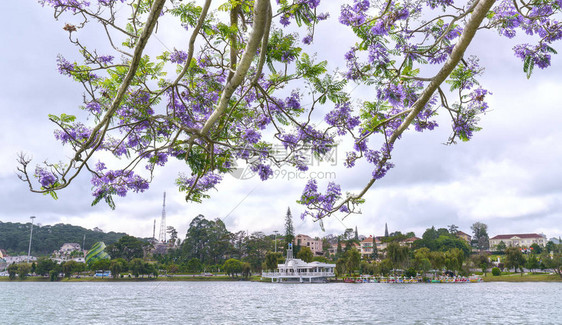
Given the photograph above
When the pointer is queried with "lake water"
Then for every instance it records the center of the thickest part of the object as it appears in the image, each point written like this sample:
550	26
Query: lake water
274	303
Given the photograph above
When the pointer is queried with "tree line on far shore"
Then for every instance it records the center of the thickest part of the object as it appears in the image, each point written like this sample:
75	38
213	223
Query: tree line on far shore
210	248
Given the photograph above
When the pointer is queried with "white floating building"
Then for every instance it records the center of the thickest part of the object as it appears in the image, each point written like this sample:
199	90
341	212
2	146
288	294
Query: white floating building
297	270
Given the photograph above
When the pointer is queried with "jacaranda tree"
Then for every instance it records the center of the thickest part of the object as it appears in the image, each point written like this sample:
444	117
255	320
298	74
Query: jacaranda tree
241	84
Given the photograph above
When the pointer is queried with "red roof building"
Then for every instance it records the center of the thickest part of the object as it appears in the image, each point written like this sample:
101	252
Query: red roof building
518	240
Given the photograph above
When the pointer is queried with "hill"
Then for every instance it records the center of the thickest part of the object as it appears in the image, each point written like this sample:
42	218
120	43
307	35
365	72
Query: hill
14	237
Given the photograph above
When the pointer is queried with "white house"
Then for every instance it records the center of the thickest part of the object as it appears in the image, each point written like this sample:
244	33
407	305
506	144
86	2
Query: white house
297	270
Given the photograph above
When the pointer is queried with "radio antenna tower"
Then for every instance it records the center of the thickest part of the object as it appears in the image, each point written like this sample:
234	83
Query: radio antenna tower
162	237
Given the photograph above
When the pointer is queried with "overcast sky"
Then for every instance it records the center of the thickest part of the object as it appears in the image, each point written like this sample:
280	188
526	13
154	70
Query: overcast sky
508	176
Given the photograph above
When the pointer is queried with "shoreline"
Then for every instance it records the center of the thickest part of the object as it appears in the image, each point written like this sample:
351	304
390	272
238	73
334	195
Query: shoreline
188	278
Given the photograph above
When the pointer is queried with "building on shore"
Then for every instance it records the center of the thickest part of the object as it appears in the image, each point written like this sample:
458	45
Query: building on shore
463	235
518	240
315	245
297	270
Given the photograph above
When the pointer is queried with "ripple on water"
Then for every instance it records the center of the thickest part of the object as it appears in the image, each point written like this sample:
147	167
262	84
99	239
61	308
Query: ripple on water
272	303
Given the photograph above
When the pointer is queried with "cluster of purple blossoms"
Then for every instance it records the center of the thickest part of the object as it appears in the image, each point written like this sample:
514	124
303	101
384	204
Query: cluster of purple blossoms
312	4
293	102
463	127
45	177
284	20
423	122
354	15
378	54
105	59
117	147
76	133
319	142
307	39
64	67
289	140
350	158
116	181
159	158
93	107
205	182
72	5
341	118
178	57
109	2
251	136
439	3
262	121
324	202
264	171
538	54
477	102
394	93
508	17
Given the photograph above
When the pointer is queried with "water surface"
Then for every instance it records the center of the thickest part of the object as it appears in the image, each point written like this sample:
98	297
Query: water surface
273	303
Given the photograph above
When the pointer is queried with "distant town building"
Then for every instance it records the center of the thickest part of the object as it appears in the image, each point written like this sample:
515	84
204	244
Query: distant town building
366	248
69	247
69	251
19	259
409	241
465	236
315	245
518	240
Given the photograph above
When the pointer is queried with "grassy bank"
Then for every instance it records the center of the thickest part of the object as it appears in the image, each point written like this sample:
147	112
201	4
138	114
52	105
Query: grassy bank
132	279
526	277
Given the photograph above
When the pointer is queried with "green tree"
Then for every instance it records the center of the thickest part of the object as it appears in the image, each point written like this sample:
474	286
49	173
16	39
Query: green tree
117	266
256	247
246	270
454	259
501	247
271	261
352	260
385	266
375	253
127	247
44	266
194	265
397	254
422	259
101	265
71	267
232	267
305	254
23	270
532	262
173	235
480	238
482	261
207	240
12	271
537	249
554	262
341	267
289	229
514	258
550	246
437	260
339	249
136	266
